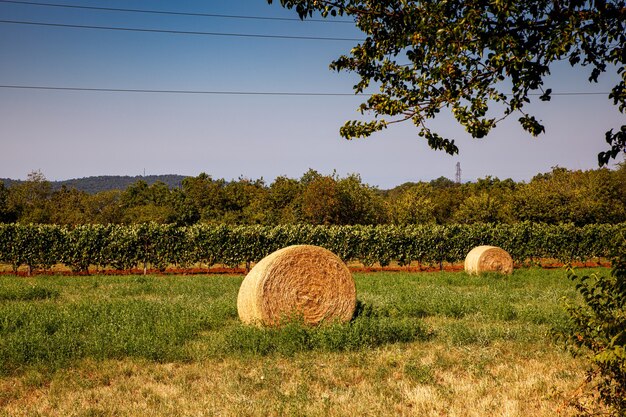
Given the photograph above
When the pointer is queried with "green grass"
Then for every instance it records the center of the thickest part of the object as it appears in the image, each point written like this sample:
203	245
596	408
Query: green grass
51	322
105	317
17	292
427	344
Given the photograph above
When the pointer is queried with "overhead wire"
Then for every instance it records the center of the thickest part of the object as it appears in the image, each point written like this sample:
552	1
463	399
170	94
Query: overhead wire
170	12
240	93
201	92
206	92
179	32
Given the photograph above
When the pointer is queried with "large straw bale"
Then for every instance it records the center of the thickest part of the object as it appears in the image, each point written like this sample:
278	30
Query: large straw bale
488	259
303	281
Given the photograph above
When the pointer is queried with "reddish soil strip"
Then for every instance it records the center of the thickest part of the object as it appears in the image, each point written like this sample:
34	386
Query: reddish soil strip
548	264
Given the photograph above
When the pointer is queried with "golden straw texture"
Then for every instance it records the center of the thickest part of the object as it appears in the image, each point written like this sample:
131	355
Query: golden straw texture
302	281
488	259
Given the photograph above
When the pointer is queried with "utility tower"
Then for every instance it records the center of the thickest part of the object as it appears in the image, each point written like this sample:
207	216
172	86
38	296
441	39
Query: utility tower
457	178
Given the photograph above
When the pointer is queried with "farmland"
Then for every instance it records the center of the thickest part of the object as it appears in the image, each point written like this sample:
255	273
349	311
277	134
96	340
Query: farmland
420	344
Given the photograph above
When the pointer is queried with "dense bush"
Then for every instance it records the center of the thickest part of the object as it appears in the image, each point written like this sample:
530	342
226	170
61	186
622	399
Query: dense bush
599	327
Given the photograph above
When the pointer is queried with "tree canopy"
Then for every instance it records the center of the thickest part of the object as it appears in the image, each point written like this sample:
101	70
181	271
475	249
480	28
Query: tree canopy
468	55
559	196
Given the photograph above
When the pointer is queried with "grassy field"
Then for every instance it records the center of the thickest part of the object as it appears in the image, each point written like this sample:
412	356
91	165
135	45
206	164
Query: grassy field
424	344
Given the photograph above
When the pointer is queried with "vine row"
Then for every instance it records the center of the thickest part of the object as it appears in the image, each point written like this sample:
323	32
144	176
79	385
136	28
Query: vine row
159	246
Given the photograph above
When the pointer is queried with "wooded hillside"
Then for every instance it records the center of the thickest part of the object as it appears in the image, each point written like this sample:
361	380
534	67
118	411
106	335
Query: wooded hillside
93	185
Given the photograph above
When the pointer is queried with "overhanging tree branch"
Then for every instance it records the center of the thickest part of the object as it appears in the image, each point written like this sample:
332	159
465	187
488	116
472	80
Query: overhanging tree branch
460	50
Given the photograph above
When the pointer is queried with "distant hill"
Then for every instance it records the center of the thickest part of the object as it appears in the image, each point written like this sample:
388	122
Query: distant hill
94	185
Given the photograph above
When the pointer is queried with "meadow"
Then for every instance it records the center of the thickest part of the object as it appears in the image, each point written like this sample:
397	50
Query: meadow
424	344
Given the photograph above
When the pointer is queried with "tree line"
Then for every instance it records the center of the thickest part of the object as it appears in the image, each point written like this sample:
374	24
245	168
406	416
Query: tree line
559	196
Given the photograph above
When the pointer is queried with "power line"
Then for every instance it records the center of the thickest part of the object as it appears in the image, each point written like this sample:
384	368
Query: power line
238	93
169	12
133	90
574	93
180	32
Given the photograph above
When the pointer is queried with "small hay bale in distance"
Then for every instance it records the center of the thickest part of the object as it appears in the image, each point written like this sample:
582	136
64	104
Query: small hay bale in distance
301	281
488	259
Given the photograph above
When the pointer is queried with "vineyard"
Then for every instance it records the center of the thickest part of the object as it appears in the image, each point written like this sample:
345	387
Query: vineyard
159	246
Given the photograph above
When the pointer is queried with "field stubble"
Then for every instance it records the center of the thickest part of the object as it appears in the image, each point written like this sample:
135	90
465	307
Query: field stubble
422	344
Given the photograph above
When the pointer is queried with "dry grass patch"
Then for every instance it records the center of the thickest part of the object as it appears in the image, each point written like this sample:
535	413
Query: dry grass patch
425	379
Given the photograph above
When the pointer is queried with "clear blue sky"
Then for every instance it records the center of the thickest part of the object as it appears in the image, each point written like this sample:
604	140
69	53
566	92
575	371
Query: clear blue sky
69	134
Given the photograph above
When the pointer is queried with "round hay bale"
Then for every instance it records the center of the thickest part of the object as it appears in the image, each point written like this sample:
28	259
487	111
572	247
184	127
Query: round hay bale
301	281
488	259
